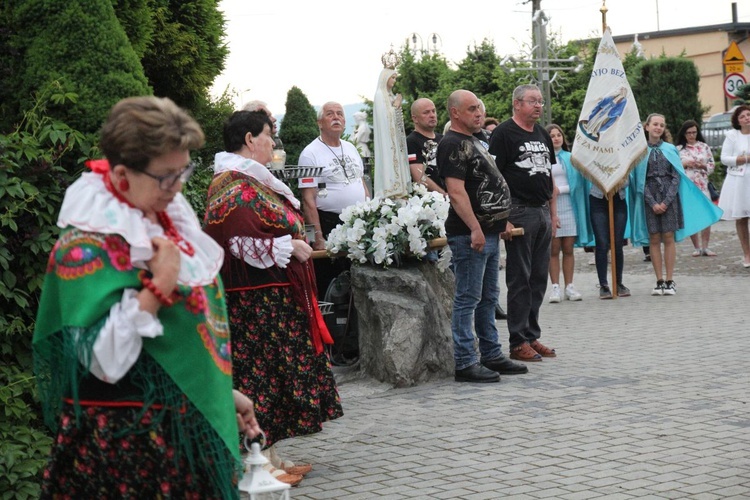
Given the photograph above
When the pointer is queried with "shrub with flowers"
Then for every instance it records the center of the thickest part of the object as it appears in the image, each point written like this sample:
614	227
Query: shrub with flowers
383	231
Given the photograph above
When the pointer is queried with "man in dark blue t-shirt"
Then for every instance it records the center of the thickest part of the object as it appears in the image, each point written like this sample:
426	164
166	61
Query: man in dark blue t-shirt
480	203
524	154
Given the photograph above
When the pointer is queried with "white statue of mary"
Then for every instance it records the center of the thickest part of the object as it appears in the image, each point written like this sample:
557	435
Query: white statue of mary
392	176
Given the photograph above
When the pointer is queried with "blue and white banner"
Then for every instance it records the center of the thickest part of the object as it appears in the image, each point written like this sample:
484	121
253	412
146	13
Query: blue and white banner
609	138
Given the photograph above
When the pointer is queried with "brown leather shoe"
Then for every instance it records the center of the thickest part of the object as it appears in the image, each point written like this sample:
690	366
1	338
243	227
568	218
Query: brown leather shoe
524	352
545	351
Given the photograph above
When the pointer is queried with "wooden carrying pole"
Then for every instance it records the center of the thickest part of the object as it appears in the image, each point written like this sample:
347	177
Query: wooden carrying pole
432	244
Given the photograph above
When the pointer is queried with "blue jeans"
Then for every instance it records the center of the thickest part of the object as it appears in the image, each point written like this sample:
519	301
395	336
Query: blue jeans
477	291
599	212
527	266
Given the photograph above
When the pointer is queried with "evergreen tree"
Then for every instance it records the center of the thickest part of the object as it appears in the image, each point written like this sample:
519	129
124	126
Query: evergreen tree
668	86
136	18
186	52
743	95
81	44
300	125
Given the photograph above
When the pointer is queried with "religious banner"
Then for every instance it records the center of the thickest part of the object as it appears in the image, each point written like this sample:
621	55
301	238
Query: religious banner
609	139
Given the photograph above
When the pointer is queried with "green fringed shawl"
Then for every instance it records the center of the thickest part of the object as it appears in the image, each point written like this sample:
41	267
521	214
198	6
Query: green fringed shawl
187	369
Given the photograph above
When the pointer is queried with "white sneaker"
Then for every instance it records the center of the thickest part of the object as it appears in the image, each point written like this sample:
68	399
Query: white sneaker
554	296
571	293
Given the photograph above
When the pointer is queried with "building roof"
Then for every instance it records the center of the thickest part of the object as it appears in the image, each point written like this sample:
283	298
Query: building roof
737	29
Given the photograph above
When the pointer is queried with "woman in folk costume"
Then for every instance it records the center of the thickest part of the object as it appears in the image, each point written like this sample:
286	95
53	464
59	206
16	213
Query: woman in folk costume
278	331
658	200
392	174
131	346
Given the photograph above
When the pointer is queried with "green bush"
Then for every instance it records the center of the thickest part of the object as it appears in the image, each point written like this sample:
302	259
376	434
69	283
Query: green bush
300	125
33	180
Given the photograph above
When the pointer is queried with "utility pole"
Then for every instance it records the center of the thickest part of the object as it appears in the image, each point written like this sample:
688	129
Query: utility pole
541	64
540	42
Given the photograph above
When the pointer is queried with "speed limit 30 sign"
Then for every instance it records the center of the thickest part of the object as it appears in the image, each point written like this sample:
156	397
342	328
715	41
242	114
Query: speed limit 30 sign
732	84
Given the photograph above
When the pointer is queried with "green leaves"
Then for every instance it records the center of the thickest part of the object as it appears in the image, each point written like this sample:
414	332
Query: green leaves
24	446
32	185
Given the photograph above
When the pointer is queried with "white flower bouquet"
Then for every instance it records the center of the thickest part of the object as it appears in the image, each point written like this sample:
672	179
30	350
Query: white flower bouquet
382	231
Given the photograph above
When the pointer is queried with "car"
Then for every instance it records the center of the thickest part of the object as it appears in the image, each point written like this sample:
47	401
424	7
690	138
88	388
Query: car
715	128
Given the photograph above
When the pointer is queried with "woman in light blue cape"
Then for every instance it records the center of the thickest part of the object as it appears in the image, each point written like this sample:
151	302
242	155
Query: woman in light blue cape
574	226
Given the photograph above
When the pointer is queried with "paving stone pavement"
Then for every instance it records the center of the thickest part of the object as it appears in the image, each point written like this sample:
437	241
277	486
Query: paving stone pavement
648	398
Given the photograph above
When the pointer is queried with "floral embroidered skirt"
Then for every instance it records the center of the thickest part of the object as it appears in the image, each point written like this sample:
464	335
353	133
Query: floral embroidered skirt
92	460
275	364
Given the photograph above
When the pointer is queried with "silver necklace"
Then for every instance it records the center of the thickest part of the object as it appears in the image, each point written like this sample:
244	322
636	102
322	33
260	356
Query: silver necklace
341	160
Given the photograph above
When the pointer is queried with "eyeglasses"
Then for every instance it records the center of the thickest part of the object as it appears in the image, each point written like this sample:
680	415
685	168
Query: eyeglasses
534	103
167	182
694	132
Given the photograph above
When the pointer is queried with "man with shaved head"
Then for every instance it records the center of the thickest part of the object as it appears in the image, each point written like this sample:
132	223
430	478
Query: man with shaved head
480	204
422	145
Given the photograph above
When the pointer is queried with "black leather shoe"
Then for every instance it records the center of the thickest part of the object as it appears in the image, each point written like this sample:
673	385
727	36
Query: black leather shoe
477	373
499	313
505	366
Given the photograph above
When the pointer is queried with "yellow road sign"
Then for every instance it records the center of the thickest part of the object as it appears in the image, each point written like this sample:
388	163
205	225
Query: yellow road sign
734	56
734	68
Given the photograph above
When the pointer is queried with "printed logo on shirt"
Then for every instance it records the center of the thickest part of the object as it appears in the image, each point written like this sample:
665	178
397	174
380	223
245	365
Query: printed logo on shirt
535	158
307	181
430	153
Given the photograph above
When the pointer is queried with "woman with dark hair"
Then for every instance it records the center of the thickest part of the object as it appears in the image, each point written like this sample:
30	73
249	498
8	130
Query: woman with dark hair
698	161
574	227
131	346
278	332
735	192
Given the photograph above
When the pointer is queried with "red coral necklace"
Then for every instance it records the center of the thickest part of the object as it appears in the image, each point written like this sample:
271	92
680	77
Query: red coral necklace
171	233
165	220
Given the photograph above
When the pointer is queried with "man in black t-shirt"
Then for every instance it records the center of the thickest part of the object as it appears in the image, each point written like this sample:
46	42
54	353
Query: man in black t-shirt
524	154
422	145
484	138
480	202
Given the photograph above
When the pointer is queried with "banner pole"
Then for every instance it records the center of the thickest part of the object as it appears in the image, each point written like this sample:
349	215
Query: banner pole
612	242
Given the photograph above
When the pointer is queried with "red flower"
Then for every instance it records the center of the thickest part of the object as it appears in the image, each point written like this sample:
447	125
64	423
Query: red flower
118	252
196	302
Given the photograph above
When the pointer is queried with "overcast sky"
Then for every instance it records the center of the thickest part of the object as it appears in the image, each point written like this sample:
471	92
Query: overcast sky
331	49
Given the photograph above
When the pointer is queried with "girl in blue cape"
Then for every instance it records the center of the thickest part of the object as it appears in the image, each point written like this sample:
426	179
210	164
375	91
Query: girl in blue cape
574	226
660	192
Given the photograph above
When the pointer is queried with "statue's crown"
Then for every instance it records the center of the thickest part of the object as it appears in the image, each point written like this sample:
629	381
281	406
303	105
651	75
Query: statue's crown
390	59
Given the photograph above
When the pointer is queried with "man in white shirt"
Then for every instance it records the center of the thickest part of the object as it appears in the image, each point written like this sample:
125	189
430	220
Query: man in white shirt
343	176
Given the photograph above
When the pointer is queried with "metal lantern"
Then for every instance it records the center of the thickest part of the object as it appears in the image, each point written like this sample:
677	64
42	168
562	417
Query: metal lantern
258	482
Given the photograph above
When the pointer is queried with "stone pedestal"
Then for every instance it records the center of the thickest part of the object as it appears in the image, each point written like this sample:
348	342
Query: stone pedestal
404	322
